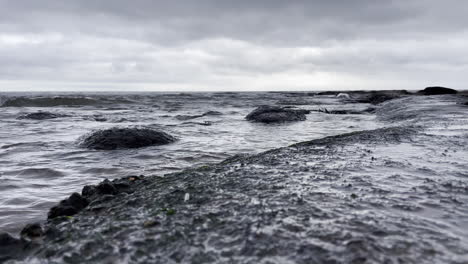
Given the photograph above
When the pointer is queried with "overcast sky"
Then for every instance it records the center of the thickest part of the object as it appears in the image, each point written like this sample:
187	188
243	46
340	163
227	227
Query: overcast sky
232	45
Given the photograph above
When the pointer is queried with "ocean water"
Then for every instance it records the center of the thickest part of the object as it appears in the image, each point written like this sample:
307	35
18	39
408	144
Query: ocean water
42	163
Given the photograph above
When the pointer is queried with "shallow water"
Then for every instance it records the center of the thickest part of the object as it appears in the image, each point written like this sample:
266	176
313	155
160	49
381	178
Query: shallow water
41	163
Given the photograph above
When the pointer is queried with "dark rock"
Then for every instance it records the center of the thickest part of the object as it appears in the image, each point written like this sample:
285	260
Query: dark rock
274	114
436	90
68	207
77	201
106	187
40	116
10	247
378	97
61	210
32	231
328	93
88	191
121	138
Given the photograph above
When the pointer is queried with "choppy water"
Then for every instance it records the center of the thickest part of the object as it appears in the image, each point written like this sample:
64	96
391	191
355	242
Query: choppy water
41	163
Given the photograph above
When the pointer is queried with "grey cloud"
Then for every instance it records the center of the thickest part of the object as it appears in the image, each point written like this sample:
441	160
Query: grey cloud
207	41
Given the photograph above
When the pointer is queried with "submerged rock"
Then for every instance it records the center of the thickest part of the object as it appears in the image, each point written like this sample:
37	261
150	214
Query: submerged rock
122	138
40	116
275	114
436	90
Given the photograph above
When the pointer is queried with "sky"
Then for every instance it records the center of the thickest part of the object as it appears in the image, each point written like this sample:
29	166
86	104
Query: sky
226	45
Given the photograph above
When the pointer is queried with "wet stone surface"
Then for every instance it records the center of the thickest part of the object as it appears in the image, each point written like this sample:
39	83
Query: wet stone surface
276	114
124	138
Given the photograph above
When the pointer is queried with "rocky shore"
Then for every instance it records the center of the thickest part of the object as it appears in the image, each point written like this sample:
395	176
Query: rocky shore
397	194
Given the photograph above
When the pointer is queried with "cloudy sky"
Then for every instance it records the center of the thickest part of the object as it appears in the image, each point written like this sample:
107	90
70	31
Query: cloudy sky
110	45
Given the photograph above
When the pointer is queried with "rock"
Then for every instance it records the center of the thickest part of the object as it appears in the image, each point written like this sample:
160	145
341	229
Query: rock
88	191
68	207
275	114
124	138
327	93
40	116
106	187
436	90
10	247
32	231
378	97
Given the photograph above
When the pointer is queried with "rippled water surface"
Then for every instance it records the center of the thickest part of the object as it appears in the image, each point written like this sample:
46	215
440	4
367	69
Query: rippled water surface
41	163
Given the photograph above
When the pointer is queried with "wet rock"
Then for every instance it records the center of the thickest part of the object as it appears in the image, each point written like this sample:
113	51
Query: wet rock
436	90
328	93
124	138
88	191
10	247
32	231
68	207
106	187
40	116
378	97
77	201
275	114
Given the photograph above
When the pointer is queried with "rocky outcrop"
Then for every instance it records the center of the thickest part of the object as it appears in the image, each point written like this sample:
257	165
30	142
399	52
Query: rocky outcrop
437	90
276	114
124	138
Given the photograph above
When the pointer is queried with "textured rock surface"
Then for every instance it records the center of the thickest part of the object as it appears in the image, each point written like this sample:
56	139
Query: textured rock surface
121	138
276	114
